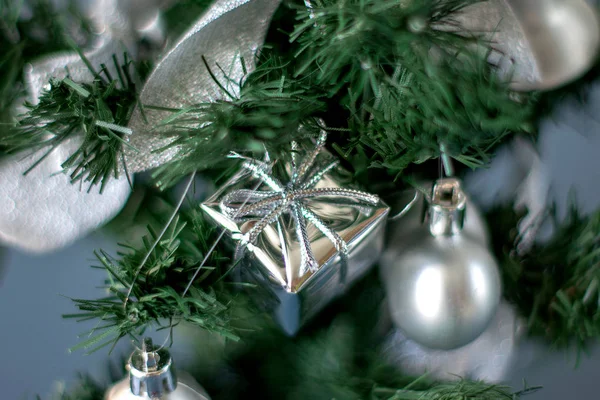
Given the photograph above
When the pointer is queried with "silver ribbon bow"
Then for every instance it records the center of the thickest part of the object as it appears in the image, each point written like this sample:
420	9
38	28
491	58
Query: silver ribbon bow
270	205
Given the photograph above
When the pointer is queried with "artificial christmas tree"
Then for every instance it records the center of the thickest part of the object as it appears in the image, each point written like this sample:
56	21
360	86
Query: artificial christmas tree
400	88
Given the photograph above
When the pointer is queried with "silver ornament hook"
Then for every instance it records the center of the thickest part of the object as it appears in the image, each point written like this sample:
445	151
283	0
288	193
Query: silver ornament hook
447	208
151	371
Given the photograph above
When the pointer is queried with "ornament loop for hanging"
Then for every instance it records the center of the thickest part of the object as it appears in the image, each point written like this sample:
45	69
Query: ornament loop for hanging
447	208
151	371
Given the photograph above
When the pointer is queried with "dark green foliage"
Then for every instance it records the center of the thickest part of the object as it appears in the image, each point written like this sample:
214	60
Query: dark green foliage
10	87
408	86
22	40
330	364
44	31
395	91
413	122
157	294
366	40
98	111
338	356
266	114
556	284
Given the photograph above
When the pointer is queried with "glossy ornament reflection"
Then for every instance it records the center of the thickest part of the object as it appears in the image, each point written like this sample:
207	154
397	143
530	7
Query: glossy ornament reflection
541	44
152	376
443	284
490	358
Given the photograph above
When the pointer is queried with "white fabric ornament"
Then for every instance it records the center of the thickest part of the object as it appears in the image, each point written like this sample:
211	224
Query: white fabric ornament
42	211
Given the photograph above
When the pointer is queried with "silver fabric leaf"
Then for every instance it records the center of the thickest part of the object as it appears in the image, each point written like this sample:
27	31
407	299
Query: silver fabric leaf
230	30
544	44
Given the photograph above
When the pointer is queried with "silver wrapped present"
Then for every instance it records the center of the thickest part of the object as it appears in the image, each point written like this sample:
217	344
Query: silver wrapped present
305	238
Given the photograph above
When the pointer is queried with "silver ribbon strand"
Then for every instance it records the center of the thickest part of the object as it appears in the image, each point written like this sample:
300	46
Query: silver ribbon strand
270	205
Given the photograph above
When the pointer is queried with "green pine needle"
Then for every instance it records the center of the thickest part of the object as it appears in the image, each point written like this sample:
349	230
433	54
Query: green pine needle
96	114
338	357
409	87
157	292
351	42
461	390
556	284
462	109
266	114
22	40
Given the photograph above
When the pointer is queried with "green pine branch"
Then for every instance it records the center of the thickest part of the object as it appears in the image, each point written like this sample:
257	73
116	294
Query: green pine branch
24	39
96	114
352	42
158	286
265	115
326	364
556	284
409	87
463	111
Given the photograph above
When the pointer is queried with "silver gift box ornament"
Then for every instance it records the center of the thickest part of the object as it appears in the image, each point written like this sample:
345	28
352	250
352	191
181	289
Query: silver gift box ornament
318	206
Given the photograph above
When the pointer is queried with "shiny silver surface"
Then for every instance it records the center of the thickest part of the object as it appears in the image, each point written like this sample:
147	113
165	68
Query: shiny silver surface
442	290
543	43
152	376
151	371
228	31
295	293
269	205
447	210
490	357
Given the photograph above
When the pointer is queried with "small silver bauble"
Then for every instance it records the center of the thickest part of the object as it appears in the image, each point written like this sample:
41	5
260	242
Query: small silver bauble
152	376
442	283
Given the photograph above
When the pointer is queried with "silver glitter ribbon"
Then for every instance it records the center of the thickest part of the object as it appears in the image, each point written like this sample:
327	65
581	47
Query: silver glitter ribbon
269	205
229	31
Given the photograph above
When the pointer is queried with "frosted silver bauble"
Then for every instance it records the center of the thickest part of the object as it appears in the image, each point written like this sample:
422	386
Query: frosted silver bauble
538	44
152	376
442	282
490	358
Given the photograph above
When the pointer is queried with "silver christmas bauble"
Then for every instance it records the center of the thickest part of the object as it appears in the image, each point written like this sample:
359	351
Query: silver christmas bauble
490	358
152	376
539	45
442	283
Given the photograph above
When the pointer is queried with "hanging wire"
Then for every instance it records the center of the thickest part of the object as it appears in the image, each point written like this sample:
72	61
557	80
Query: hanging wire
446	161
159	238
445	170
213	246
